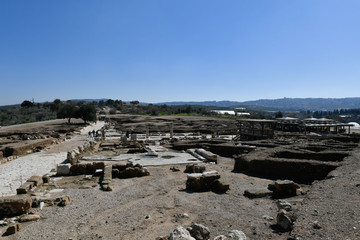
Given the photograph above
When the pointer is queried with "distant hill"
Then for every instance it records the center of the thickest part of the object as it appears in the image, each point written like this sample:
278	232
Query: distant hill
312	104
291	104
205	103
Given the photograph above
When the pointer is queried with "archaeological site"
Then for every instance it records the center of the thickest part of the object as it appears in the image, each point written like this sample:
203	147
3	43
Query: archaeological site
180	177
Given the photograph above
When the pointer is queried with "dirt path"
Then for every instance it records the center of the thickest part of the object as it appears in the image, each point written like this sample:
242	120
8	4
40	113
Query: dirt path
16	172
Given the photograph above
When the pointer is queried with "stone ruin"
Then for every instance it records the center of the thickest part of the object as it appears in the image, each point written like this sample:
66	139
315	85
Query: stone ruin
206	181
16	209
198	231
301	162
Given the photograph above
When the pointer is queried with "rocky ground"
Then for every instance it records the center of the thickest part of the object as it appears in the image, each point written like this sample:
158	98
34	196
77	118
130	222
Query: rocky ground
152	206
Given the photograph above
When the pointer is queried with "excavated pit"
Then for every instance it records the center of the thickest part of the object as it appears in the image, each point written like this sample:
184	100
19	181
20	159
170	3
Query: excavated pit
304	161
294	169
328	156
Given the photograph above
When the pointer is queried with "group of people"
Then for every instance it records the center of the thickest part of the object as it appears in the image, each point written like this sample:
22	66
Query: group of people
94	133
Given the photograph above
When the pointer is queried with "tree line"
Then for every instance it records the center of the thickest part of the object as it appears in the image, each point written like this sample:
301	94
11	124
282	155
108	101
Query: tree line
29	111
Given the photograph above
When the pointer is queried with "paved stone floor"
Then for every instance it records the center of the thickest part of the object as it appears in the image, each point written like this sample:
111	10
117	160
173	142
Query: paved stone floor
17	171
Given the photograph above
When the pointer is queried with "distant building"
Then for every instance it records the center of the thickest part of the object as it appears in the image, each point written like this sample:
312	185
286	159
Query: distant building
254	129
231	112
320	125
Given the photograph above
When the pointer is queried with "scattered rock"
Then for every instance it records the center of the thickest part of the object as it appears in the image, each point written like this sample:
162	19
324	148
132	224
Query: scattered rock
39	201
106	186
71	157
234	234
180	233
199	232
3	223
175	169
29	218
316	225
282	204
284	188
257	193
13	229
65	200
333	174
182	215
284	221
46	179
161	238
267	218
220	237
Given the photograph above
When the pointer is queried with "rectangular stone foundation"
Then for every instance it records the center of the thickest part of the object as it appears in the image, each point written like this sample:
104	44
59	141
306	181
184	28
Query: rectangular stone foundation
301	171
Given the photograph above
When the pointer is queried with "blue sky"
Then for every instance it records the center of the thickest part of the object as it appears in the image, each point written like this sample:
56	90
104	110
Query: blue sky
172	50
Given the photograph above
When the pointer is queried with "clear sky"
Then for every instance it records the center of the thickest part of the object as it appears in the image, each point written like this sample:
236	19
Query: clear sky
178	50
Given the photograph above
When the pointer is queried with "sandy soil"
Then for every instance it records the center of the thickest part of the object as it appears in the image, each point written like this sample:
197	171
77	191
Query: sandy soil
121	214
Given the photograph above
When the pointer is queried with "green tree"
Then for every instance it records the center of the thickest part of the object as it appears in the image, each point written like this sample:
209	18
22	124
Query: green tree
278	114
67	110
55	105
109	102
136	102
27	104
86	112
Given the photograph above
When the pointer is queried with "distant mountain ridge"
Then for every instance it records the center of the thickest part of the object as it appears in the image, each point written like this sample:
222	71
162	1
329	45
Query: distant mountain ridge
294	104
312	104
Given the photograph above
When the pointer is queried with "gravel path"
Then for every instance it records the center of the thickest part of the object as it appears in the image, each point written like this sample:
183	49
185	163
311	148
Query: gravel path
17	171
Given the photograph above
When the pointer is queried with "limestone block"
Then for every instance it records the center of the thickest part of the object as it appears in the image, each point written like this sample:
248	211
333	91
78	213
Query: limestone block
107	172
15	205
29	218
284	188
37	180
25	188
257	193
210	157
218	185
63	169
207	181
99	165
82	168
